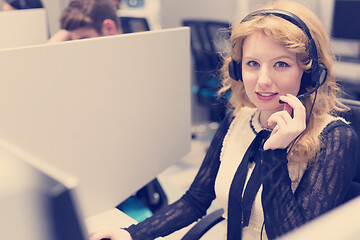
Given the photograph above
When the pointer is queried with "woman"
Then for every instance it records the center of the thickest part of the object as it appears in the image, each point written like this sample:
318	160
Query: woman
277	161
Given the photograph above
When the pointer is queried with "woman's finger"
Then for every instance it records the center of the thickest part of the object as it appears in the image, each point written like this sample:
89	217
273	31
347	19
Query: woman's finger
299	110
281	118
288	109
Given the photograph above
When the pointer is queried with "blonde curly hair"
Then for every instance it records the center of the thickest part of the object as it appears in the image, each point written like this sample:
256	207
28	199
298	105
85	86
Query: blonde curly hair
295	40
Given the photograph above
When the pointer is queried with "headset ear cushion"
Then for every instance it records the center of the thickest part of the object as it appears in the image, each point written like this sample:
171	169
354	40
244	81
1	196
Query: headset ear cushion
306	82
315	78
235	70
319	74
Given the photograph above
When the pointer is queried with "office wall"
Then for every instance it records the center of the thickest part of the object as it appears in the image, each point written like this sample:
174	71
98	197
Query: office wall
54	9
173	11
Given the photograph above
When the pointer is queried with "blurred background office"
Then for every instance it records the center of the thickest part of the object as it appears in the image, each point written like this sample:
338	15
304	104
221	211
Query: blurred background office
204	17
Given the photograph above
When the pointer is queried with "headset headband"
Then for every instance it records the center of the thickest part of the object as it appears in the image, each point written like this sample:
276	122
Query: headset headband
294	20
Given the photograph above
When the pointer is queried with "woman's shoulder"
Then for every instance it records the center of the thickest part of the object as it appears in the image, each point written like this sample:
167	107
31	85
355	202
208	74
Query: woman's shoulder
338	124
243	113
333	122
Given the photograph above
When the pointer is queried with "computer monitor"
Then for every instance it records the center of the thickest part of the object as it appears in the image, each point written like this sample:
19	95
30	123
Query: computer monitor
345	30
341	223
112	111
23	28
345	20
37	201
134	24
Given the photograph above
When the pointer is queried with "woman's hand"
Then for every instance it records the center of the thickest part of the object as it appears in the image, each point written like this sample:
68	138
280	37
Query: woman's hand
110	233
287	127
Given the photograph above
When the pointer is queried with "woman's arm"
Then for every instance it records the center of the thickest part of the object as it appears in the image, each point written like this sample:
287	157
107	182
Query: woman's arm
60	36
322	187
189	208
194	202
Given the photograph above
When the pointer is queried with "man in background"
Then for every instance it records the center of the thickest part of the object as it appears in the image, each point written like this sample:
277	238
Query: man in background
87	19
116	4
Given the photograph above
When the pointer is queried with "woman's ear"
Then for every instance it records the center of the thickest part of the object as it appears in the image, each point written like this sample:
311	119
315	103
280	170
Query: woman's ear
109	28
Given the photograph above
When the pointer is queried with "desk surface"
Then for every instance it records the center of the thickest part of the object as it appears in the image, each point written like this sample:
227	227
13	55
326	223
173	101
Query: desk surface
112	217
115	218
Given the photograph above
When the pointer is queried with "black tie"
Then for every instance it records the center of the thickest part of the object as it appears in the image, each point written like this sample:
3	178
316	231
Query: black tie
239	207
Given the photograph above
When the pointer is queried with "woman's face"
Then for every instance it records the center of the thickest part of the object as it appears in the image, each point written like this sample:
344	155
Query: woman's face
269	70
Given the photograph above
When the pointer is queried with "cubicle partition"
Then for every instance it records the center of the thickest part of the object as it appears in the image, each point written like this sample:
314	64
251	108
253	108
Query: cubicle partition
112	111
23	28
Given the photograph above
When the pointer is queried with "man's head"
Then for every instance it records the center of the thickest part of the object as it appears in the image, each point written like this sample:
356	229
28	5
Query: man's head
90	18
116	4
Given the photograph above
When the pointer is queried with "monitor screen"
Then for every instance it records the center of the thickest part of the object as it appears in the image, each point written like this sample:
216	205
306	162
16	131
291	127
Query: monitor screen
346	20
37	201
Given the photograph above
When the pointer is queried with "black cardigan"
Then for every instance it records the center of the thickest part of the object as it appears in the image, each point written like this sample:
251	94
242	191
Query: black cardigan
322	187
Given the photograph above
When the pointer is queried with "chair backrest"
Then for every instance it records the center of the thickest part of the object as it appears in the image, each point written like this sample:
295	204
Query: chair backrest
134	24
207	42
353	116
204	35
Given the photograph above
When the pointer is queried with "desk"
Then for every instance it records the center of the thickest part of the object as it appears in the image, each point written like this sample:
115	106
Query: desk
116	218
112	217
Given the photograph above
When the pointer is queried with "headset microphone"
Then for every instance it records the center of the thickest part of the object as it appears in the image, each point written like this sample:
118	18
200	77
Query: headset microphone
321	79
308	93
302	95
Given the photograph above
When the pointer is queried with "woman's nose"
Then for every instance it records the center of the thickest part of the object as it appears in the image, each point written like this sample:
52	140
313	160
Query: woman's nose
264	78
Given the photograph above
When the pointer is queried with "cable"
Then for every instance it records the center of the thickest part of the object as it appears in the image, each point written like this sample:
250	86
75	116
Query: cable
307	123
262	229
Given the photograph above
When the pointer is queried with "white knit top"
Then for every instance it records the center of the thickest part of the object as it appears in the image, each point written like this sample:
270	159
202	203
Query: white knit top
236	142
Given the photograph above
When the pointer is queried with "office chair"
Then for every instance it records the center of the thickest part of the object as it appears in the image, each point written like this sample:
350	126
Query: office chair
134	24
207	42
146	201
353	116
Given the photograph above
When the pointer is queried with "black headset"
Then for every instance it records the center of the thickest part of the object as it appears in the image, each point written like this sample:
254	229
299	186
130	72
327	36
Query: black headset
314	77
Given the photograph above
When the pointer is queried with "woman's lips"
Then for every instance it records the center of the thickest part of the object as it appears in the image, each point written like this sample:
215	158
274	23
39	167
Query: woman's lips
266	96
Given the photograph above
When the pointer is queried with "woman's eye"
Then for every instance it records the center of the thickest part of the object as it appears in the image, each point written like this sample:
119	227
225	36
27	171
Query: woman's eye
253	64
281	64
